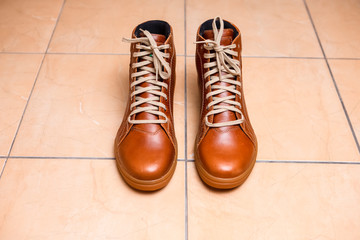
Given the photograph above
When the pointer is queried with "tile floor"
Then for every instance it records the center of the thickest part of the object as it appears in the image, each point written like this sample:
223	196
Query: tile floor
63	87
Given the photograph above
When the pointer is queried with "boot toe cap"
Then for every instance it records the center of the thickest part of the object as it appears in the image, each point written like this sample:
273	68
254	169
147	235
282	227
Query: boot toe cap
226	156
146	156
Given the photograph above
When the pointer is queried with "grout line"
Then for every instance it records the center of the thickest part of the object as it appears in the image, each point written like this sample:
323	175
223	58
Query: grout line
76	53
309	162
84	53
302	162
178	55
99	53
23	113
59	157
22	53
32	89
333	78
87	53
64	157
185	129
334	58
3	167
56	23
192	160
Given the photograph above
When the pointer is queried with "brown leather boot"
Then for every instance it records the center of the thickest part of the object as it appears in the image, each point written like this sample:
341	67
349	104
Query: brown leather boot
226	145
145	145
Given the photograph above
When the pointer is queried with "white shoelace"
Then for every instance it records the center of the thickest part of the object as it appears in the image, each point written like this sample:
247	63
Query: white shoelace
224	63
149	53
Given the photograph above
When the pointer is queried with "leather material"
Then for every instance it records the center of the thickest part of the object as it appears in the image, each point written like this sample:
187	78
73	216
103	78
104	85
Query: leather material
223	152
148	151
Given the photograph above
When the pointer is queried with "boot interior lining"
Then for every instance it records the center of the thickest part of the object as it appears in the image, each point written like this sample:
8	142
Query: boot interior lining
154	26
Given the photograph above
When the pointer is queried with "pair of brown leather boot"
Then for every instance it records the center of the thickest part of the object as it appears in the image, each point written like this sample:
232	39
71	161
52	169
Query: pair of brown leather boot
145	145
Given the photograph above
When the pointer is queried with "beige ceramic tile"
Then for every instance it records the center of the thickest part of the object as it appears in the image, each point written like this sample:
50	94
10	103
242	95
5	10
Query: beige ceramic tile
99	26
279	201
17	76
296	112
347	75
26	26
78	105
293	107
268	27
85	199
193	105
179	106
337	23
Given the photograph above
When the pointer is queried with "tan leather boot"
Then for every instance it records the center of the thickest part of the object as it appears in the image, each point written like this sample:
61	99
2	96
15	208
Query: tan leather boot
226	145
145	145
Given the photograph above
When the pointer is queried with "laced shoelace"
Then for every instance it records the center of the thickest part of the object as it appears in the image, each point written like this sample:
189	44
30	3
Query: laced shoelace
149	53
226	64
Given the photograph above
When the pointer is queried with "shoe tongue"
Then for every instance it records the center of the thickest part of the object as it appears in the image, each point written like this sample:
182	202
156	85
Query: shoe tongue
226	38
160	40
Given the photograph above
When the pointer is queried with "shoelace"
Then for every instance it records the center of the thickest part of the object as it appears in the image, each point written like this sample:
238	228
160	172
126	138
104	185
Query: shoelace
224	63
149	53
